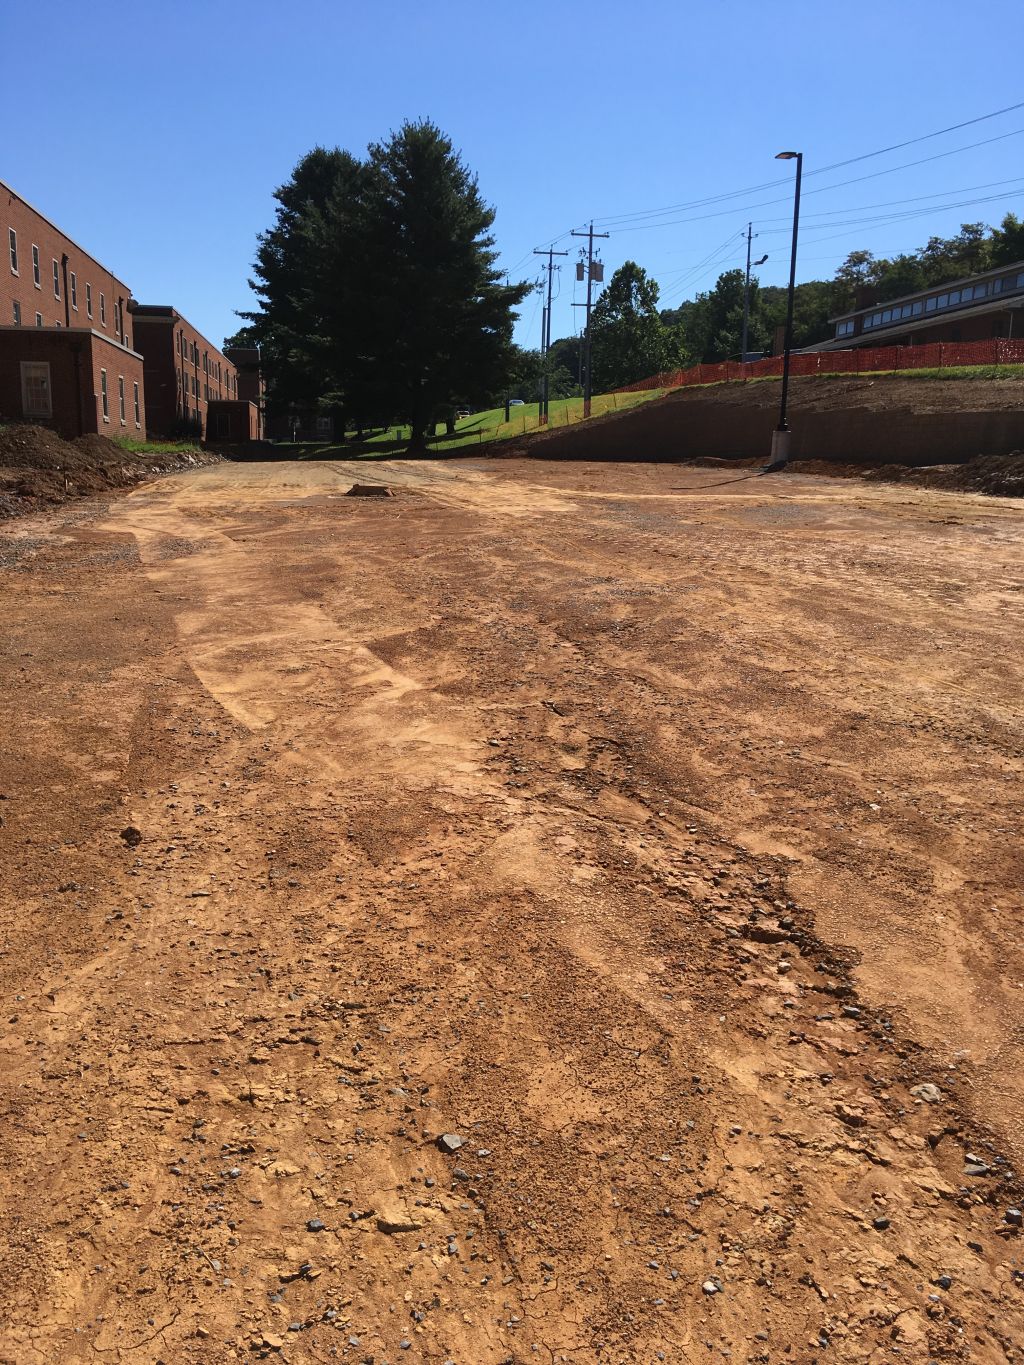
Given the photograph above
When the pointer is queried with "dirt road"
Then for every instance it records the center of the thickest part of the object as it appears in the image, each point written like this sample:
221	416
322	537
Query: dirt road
656	833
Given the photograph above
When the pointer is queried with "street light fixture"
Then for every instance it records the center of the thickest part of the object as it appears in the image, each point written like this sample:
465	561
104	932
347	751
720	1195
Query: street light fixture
781	434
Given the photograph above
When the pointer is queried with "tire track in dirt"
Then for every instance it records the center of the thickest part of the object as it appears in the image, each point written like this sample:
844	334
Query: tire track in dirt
435	839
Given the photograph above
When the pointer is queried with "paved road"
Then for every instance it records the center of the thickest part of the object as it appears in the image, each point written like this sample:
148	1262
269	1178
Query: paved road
655	831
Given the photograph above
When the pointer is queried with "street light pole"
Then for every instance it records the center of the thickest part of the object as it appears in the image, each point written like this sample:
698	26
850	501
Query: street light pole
781	434
746	291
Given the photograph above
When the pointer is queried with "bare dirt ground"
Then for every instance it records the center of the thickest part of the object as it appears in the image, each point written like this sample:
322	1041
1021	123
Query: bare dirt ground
655	831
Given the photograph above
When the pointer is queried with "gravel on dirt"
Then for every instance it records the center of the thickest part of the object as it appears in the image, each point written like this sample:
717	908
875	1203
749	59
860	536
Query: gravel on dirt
352	923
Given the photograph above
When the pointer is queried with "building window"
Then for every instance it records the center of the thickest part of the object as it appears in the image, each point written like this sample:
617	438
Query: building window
88	299
135	401
39	319
36	400
56	279
104	401
12	238
36	278
918	309
103	309
74	291
120	398
17	313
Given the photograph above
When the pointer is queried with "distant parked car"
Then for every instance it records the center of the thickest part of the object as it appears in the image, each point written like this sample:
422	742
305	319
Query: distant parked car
463	412
516	403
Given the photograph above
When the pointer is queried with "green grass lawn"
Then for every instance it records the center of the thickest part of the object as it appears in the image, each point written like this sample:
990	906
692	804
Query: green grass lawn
158	447
479	429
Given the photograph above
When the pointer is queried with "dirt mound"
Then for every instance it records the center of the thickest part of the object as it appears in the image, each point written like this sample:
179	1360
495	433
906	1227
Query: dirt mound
998	475
99	447
38	468
878	393
29	447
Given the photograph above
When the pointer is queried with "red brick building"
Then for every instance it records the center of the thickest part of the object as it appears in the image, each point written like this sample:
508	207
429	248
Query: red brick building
978	308
249	364
66	358
73	380
47	280
184	371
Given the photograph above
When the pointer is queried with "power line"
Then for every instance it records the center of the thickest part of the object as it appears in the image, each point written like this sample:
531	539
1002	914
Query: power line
823	189
925	137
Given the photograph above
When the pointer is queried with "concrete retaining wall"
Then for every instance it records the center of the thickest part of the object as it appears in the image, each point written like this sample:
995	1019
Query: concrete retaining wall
680	430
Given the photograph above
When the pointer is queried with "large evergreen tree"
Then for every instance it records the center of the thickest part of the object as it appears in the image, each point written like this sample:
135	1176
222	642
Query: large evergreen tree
439	325
288	324
377	286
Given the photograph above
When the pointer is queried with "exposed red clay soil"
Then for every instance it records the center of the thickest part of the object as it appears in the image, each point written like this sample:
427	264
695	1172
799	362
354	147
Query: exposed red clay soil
38	468
654	832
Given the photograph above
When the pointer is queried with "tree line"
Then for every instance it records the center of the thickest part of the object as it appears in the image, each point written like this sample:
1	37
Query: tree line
633	338
379	299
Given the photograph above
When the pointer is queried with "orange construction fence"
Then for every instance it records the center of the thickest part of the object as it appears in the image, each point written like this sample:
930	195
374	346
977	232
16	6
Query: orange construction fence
934	355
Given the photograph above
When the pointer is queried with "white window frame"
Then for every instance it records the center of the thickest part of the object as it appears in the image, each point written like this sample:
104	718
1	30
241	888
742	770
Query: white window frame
88	299
34	369
74	291
12	242
37	274
135	401
39	319
104	398
56	278
103	309
17	313
120	400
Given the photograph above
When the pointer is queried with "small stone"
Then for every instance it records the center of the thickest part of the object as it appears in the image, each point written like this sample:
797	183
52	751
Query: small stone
1014	1217
711	1287
880	1224
931	1094
391	1224
944	1282
450	1142
315	1225
976	1168
851	1116
272	1342
851	1012
132	835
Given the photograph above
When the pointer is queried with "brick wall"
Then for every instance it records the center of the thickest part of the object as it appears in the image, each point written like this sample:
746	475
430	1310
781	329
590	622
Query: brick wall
76	361
184	371
83	284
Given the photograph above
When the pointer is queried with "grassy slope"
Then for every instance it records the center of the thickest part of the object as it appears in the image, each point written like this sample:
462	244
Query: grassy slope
481	428
484	427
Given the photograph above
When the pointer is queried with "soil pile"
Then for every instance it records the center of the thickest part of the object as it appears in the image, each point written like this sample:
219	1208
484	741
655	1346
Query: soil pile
38	468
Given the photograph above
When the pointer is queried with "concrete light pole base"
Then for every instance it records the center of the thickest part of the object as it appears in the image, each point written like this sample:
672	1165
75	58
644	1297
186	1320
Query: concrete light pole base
780	451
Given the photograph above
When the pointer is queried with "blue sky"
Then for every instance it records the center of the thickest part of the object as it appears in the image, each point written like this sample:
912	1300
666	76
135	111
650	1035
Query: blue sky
156	133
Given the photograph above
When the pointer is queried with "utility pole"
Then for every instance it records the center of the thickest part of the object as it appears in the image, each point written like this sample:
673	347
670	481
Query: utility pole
590	234
746	293
545	340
